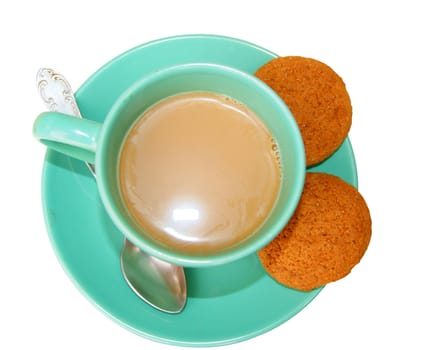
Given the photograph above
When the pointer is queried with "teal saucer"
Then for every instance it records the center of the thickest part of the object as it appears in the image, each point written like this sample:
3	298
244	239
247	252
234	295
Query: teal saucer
226	304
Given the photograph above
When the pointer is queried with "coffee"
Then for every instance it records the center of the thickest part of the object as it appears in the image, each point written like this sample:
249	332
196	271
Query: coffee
199	172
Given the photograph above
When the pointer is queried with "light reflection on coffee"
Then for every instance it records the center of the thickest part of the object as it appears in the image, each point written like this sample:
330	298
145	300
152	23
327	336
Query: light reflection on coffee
199	172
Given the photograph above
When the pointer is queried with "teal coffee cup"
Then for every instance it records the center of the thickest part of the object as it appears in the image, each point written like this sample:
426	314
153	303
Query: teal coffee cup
102	144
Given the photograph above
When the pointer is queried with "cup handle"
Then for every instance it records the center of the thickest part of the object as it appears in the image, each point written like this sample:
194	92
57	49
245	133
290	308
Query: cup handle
67	134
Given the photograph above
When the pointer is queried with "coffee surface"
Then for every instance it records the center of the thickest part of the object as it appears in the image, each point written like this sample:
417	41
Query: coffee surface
199	172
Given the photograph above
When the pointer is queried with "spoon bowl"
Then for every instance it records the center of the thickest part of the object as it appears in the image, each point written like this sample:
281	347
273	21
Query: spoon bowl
166	283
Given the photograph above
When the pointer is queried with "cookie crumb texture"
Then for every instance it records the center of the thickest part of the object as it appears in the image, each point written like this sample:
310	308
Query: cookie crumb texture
326	237
317	98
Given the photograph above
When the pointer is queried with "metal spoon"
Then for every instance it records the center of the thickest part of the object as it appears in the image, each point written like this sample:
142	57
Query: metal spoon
160	284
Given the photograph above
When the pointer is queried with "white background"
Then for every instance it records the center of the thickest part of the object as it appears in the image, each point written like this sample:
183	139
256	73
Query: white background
383	50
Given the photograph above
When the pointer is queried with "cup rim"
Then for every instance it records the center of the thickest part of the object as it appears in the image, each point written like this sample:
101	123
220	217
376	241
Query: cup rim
225	256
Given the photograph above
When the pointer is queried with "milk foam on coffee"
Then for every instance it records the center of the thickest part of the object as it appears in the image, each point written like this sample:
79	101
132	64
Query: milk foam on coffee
199	172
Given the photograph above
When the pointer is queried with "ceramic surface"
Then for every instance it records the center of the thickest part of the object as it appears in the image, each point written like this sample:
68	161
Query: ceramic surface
227	303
